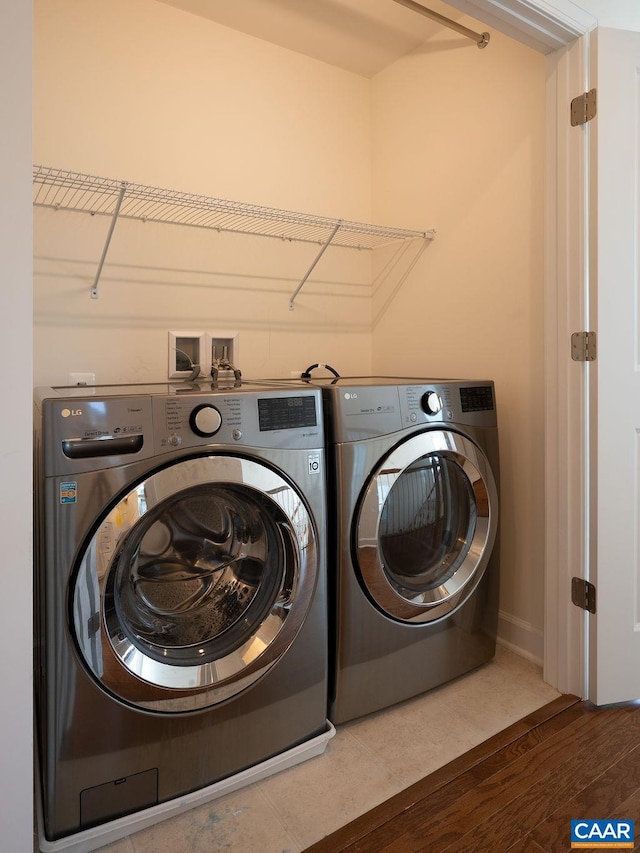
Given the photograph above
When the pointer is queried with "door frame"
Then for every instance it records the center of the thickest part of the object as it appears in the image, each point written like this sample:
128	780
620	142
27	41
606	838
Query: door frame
544	25
567	445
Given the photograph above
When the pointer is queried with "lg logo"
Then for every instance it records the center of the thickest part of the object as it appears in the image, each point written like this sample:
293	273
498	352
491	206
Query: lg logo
350	396
71	413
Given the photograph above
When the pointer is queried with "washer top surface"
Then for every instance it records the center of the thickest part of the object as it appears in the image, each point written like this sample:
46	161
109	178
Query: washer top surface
167	389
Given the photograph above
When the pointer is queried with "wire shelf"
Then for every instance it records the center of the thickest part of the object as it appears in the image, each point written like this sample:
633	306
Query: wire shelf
65	190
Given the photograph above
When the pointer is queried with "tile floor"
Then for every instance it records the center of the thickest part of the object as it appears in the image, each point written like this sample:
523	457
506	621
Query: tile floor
366	762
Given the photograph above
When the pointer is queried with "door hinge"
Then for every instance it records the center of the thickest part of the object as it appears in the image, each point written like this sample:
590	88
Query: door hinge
583	346
583	594
583	108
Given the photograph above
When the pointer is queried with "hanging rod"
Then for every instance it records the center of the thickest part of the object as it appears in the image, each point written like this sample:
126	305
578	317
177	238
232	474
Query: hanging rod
481	39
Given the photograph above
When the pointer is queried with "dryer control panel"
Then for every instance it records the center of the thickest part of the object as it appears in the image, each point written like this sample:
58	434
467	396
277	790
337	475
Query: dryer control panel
367	407
467	404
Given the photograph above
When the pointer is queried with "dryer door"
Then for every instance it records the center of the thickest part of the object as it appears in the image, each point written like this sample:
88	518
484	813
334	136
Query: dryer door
195	583
426	526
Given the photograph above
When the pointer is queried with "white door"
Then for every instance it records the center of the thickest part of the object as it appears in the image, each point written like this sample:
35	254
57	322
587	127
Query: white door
614	633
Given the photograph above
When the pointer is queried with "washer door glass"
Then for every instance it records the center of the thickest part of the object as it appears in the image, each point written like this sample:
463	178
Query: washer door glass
195	583
426	526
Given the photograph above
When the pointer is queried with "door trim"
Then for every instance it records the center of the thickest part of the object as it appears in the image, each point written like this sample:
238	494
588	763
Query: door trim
543	26
566	311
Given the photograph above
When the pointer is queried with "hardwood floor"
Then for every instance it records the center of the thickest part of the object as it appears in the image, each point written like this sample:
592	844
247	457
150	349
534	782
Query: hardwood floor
517	791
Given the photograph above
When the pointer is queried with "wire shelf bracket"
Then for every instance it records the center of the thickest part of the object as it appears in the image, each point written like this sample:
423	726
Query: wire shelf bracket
116	212
65	190
325	246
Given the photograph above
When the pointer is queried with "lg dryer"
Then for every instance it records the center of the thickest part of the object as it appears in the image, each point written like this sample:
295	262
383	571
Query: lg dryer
414	556
180	590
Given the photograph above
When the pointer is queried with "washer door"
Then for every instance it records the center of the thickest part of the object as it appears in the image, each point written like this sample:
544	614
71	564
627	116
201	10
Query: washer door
426	526
195	583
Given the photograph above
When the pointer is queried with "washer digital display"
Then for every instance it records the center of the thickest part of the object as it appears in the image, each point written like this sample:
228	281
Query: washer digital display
286	413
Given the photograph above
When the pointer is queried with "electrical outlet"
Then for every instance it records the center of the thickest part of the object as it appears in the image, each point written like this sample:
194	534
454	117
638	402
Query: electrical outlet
82	379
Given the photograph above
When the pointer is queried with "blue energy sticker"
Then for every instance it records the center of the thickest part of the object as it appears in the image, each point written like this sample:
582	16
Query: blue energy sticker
68	493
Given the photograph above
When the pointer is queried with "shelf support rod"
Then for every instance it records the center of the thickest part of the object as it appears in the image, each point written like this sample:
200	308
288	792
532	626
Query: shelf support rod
325	246
481	39
94	287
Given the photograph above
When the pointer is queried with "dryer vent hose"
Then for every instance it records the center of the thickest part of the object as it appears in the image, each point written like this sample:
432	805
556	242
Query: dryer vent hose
307	373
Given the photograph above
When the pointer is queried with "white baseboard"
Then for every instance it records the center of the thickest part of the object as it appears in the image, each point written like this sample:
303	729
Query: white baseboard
521	637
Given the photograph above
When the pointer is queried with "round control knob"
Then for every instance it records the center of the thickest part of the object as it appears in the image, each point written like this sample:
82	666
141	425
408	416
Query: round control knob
205	420
431	402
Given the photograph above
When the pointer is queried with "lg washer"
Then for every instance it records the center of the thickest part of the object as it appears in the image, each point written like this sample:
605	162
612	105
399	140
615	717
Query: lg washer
181	622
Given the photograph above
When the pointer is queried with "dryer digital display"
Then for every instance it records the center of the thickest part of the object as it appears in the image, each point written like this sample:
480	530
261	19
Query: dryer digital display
477	398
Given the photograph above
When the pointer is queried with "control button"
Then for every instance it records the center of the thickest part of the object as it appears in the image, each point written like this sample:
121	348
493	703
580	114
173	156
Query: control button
174	440
236	434
205	420
431	402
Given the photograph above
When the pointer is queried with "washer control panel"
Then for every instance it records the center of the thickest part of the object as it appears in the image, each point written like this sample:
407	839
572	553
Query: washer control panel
431	402
205	420
192	420
91	428
285	419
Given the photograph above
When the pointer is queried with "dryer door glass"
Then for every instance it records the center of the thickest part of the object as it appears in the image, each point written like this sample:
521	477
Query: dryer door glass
426	526
210	570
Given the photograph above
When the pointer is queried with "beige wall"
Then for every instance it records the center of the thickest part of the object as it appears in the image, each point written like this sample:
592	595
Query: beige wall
145	93
450	137
458	145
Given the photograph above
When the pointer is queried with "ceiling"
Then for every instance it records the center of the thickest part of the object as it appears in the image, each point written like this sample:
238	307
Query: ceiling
363	36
